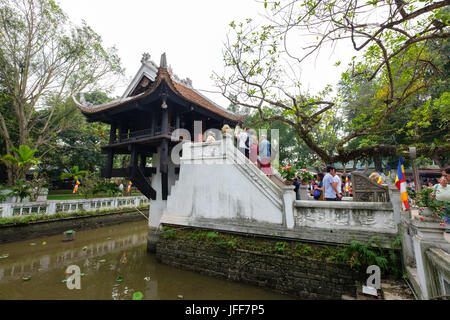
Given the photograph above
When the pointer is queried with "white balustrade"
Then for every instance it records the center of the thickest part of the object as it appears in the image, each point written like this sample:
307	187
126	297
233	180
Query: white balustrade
362	216
56	206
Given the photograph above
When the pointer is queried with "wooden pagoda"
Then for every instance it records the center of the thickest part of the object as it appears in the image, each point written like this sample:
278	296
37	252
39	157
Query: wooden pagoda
142	121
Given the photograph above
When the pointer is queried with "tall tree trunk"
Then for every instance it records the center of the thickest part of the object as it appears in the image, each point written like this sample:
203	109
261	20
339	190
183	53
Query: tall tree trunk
366	167
378	164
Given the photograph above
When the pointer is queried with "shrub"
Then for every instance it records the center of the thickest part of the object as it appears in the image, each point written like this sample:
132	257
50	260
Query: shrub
168	233
280	246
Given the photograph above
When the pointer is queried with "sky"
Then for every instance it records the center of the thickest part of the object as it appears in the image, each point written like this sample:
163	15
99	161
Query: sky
191	33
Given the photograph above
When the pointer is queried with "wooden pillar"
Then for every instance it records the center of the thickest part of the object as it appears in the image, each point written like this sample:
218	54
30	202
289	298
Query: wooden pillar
113	133
123	129
177	122
153	124
110	153
143	160
109	164
133	160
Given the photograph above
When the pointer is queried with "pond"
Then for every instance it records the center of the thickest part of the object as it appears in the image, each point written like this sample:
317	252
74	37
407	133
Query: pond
114	264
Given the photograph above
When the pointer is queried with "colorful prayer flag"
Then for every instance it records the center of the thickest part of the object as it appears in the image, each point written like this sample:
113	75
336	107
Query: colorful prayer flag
379	178
400	183
346	184
77	183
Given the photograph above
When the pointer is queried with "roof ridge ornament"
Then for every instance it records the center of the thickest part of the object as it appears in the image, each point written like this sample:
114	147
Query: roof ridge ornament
163	61
187	82
145	57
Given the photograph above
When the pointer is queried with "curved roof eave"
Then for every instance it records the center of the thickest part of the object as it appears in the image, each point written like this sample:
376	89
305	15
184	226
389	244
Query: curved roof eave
183	92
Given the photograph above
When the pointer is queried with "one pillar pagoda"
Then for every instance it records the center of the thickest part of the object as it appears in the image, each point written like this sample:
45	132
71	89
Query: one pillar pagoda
142	122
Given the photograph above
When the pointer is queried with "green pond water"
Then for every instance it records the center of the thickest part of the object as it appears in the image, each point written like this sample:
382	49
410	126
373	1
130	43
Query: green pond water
36	269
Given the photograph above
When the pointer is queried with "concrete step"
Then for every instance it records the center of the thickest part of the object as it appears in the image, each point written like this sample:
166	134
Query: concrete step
396	290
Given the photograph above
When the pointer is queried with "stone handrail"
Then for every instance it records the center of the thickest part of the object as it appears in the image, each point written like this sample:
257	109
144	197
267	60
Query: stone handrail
438	276
346	215
53	206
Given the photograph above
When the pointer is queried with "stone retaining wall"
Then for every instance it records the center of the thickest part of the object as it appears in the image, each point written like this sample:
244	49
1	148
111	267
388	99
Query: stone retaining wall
301	277
18	232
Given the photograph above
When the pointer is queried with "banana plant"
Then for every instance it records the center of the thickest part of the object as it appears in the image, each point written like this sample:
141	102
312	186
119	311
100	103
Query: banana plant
75	173
20	190
22	160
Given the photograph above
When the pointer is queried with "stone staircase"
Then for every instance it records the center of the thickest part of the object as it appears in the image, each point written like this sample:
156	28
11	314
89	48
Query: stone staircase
253	173
210	175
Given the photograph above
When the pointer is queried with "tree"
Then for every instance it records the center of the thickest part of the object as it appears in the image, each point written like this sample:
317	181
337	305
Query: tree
37	184
79	144
423	120
395	56
43	60
292	149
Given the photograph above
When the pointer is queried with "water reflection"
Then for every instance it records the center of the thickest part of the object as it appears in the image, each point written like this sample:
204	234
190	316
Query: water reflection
99	254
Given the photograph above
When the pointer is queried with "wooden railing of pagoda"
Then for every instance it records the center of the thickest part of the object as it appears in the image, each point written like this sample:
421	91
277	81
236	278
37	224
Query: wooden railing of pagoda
145	133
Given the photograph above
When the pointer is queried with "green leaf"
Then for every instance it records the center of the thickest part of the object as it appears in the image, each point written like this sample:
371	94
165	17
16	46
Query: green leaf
138	295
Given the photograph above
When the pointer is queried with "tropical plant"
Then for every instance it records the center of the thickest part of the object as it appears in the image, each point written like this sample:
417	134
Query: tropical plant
360	255
305	176
109	187
20	190
424	197
2	195
89	185
74	174
22	160
439	209
288	173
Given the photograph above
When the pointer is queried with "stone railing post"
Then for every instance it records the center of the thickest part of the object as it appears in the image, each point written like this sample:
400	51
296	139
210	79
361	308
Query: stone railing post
394	195
428	233
87	205
288	205
51	208
7	210
303	192
403	221
115	203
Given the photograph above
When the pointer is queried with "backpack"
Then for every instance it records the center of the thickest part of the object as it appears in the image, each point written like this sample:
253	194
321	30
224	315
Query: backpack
317	194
